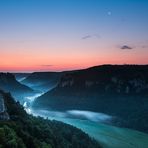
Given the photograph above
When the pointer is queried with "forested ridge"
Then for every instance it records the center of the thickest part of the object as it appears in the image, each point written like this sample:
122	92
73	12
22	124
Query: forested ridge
26	131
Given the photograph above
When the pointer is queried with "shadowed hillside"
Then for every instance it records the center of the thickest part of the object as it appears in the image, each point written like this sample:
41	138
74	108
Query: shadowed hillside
42	81
8	83
117	90
21	76
26	131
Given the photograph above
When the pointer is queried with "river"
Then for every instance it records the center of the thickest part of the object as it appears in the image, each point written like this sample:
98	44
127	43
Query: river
92	124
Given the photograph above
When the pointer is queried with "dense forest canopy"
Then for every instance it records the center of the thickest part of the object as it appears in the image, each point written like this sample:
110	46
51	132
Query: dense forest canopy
26	131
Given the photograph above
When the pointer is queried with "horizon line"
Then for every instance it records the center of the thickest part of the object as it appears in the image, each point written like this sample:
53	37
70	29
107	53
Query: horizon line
72	69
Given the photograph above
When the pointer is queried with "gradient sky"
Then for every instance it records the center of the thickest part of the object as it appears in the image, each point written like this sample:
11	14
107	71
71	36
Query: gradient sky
55	35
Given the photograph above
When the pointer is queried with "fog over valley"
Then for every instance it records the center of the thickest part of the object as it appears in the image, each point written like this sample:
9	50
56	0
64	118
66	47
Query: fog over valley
73	74
100	99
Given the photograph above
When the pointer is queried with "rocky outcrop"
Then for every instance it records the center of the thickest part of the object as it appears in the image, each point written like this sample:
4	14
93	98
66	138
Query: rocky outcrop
90	87
117	90
108	78
3	110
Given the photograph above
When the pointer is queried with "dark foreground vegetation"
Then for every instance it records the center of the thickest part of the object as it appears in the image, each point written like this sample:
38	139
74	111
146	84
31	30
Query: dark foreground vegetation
26	131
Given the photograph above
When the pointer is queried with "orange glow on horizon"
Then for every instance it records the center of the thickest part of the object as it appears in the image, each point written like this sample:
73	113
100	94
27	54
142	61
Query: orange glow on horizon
58	68
37	61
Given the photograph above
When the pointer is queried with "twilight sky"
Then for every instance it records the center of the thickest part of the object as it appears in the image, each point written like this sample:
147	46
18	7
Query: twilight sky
56	35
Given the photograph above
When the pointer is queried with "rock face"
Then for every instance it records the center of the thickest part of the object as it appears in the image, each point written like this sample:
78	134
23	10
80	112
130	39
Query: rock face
117	90
88	87
3	111
123	79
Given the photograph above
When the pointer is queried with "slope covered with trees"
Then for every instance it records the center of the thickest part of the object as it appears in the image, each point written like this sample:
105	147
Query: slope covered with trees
26	131
8	83
118	90
42	81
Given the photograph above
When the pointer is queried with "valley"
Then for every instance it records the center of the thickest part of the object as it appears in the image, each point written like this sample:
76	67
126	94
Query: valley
73	73
102	104
108	136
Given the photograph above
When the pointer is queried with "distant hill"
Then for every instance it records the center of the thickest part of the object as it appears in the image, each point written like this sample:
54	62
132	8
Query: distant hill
118	90
21	76
42	81
25	131
8	83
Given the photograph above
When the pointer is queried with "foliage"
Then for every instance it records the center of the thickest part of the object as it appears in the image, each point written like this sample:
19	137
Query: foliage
26	131
118	90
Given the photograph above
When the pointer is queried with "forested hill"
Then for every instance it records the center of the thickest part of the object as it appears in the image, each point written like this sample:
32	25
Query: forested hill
123	79
117	90
86	89
25	131
8	83
42	81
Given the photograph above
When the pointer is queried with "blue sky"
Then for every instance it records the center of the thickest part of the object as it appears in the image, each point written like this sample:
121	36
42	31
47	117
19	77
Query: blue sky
71	34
